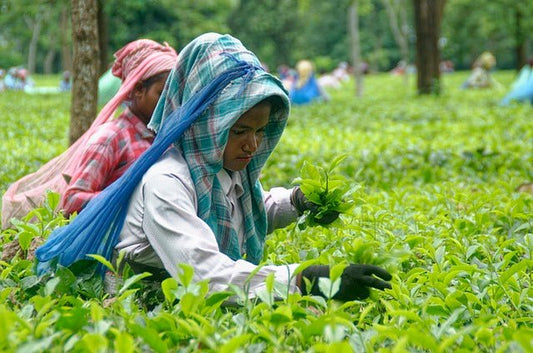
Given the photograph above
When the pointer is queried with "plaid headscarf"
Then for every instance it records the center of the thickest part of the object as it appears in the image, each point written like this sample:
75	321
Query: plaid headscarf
203	143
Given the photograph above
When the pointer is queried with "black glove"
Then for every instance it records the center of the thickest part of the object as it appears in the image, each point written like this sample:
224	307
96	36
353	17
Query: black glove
302	204
355	280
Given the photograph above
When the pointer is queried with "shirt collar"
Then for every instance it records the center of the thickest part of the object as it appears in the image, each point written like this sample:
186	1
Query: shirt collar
230	182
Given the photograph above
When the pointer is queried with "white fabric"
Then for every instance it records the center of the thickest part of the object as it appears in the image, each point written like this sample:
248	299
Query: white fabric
233	189
162	228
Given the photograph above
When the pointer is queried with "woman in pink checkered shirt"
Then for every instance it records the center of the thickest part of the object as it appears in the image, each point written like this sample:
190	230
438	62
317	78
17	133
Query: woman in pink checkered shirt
143	67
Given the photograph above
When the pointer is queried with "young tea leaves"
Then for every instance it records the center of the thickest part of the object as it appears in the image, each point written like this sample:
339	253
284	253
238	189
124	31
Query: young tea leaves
324	188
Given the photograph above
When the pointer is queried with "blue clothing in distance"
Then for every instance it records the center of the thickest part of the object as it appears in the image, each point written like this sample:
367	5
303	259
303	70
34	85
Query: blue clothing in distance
307	93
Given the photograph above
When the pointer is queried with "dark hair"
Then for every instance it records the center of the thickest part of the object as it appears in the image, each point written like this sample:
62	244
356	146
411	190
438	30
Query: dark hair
276	103
153	79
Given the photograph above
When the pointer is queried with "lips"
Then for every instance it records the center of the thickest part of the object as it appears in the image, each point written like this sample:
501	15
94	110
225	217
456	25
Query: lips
244	158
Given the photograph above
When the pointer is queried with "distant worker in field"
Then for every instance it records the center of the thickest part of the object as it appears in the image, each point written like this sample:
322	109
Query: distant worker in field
26	82
340	74
65	84
480	76
287	76
341	71
18	79
306	88
110	145
400	68
522	87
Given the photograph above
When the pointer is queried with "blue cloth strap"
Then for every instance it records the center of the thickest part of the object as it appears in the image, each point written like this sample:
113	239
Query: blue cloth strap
97	228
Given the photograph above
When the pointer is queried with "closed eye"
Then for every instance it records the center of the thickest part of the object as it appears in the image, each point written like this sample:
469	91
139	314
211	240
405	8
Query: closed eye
238	132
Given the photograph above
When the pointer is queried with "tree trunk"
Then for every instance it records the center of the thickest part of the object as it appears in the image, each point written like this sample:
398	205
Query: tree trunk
103	38
49	61
35	26
353	29
66	52
398	25
85	68
428	15
520	39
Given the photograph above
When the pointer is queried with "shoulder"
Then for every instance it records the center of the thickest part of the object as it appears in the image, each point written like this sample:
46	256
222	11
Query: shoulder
109	131
170	171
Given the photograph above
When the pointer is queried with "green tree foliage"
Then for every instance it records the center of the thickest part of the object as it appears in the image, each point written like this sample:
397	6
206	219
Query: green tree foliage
469	29
279	31
176	22
270	28
19	20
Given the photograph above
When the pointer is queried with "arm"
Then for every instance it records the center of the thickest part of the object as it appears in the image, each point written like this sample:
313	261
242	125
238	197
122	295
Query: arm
90	178
280	211
178	236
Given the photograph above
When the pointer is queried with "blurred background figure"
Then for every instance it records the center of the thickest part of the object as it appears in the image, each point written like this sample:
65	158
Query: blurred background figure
522	87
400	68
108	86
306	89
2	85
25	81
65	84
446	66
11	81
341	72
287	76
18	78
480	76
336	77
328	80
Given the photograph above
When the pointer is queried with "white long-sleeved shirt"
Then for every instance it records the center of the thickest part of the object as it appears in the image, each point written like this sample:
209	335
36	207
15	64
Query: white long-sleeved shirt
162	228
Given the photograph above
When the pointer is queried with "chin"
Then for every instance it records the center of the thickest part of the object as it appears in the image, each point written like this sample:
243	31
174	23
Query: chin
236	167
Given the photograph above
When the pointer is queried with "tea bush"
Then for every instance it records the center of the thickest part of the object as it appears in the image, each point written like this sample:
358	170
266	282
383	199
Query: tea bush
432	182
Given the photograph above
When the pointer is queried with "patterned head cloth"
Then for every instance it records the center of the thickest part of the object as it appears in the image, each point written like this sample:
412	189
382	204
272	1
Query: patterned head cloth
143	59
203	143
136	62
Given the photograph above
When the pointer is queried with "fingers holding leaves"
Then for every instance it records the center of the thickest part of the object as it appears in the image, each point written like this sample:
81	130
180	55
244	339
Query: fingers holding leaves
326	217
320	214
370	281
356	280
380	272
368	276
320	195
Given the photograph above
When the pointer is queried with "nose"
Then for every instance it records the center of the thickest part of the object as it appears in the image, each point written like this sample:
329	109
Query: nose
251	144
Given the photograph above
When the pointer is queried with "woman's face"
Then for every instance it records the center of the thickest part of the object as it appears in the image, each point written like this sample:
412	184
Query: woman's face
245	136
146	98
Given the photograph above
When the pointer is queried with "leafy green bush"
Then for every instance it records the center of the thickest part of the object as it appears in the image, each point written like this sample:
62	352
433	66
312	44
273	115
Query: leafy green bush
432	184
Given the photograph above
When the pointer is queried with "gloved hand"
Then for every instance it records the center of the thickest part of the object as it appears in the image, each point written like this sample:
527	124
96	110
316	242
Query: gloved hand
355	280
302	204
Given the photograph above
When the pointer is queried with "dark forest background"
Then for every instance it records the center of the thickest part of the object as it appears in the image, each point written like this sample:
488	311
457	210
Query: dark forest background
37	34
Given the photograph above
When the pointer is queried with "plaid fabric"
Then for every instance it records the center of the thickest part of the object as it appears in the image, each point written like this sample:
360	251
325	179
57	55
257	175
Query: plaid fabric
142	59
203	143
107	155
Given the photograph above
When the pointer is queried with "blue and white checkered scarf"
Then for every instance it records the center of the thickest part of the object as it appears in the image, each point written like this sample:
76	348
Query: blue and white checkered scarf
203	143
